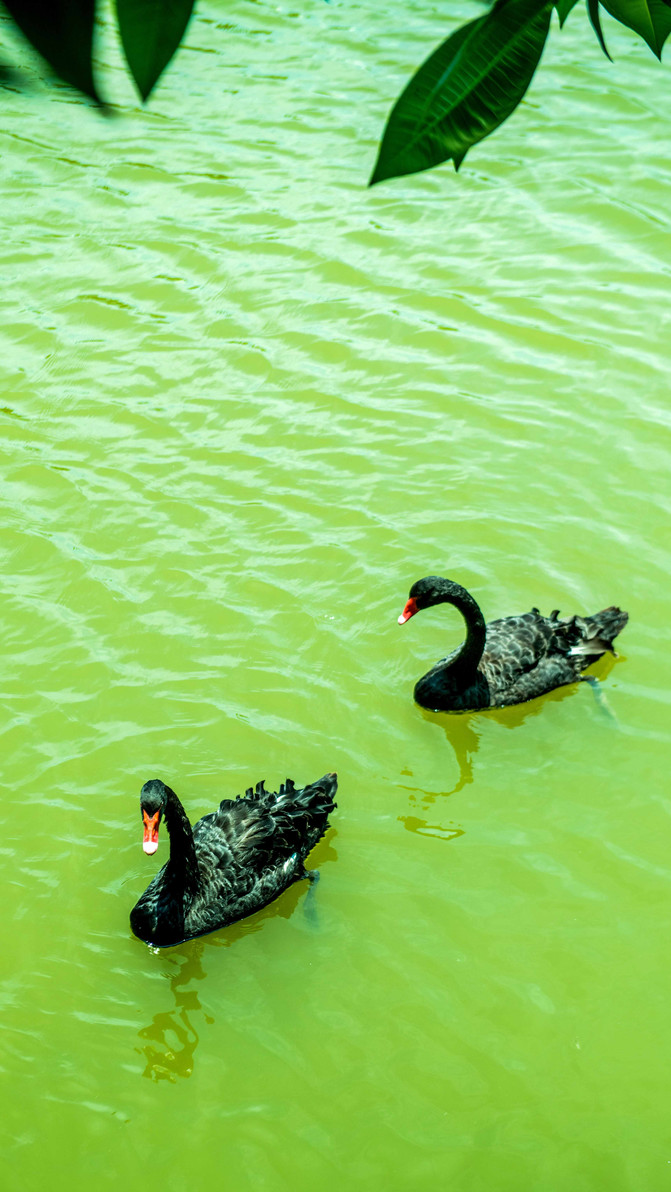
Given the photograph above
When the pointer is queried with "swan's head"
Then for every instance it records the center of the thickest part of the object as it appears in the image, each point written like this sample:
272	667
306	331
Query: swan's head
153	802
424	593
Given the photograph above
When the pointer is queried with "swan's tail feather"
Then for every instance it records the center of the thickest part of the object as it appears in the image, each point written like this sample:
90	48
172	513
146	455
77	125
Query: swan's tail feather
604	627
591	646
266	824
610	621
590	637
316	796
301	814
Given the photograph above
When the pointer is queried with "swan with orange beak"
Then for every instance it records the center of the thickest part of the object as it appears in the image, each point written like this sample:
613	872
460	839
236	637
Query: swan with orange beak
150	835
232	862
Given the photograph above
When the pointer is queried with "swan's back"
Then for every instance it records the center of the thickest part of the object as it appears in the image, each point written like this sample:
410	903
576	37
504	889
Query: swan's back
253	847
262	829
530	654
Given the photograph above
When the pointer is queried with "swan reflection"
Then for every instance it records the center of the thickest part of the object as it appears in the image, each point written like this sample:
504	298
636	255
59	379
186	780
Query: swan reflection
169	1042
465	730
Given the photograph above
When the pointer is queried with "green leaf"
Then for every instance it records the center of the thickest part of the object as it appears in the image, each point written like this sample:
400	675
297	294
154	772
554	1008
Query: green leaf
595	18
151	31
651	19
465	90
563	9
62	32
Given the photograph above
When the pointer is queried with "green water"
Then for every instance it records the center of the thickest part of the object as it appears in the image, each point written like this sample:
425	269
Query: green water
246	403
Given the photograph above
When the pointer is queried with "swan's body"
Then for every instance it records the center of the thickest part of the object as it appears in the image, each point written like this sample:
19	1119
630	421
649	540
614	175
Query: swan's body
510	660
233	862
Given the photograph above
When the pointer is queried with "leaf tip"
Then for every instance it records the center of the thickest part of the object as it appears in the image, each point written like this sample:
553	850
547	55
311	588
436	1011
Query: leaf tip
379	174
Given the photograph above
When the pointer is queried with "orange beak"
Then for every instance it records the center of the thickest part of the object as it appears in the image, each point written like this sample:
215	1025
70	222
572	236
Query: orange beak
150	837
408	612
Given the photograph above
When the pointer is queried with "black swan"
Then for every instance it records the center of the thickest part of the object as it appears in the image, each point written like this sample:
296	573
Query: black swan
510	660
235	860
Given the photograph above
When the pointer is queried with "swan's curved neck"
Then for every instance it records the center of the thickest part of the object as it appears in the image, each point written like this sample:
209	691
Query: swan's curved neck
183	863
471	650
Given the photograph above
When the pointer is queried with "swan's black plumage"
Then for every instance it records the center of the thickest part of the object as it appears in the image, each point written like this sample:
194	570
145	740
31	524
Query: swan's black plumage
510	660
233	862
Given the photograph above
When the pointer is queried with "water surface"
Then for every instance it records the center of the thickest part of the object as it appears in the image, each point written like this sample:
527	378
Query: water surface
246	403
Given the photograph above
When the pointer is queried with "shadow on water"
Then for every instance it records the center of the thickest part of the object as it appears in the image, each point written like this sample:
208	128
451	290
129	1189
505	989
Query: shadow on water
12	79
464	731
169	1042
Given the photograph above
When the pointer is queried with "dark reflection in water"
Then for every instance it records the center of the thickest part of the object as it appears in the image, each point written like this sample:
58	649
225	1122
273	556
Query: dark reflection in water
170	1041
464	730
412	823
9	77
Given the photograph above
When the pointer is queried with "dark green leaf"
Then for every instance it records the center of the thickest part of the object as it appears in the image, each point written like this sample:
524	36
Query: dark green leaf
151	31
563	9
465	90
595	18
651	19
62	32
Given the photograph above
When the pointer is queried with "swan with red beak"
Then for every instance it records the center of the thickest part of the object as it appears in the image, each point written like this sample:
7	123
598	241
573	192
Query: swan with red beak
409	611
509	660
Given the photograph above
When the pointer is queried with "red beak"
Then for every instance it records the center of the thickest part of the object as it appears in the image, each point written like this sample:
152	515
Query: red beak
408	612
150	837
